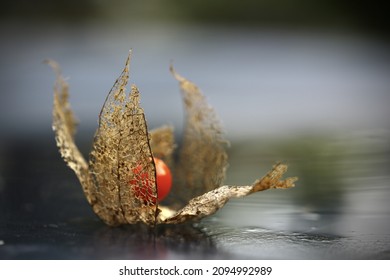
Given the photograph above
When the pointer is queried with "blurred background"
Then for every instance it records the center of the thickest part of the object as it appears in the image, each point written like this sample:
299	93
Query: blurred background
303	82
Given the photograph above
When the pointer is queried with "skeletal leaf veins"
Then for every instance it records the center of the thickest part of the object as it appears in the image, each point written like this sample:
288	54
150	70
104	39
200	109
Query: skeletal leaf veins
119	178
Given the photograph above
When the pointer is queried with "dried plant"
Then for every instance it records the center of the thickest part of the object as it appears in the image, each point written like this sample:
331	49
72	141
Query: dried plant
113	184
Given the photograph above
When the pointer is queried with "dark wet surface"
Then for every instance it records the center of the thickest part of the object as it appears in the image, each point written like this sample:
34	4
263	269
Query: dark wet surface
45	216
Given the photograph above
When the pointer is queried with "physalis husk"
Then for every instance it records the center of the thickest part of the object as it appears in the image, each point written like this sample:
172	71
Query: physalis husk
123	144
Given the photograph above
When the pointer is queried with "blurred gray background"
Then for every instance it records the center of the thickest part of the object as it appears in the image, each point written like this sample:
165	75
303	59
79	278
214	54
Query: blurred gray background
304	82
268	67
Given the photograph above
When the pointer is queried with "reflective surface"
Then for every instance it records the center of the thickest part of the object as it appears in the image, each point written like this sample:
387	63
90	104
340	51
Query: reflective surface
338	210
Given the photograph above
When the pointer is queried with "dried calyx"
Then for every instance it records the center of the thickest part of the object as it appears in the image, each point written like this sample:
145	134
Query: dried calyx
123	144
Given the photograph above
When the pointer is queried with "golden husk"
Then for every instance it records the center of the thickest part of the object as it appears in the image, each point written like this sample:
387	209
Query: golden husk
121	158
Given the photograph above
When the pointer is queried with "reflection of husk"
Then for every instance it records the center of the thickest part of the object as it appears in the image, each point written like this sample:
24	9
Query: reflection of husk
141	242
123	144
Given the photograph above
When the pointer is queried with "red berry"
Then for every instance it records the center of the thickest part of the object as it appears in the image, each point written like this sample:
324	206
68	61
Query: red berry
142	184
